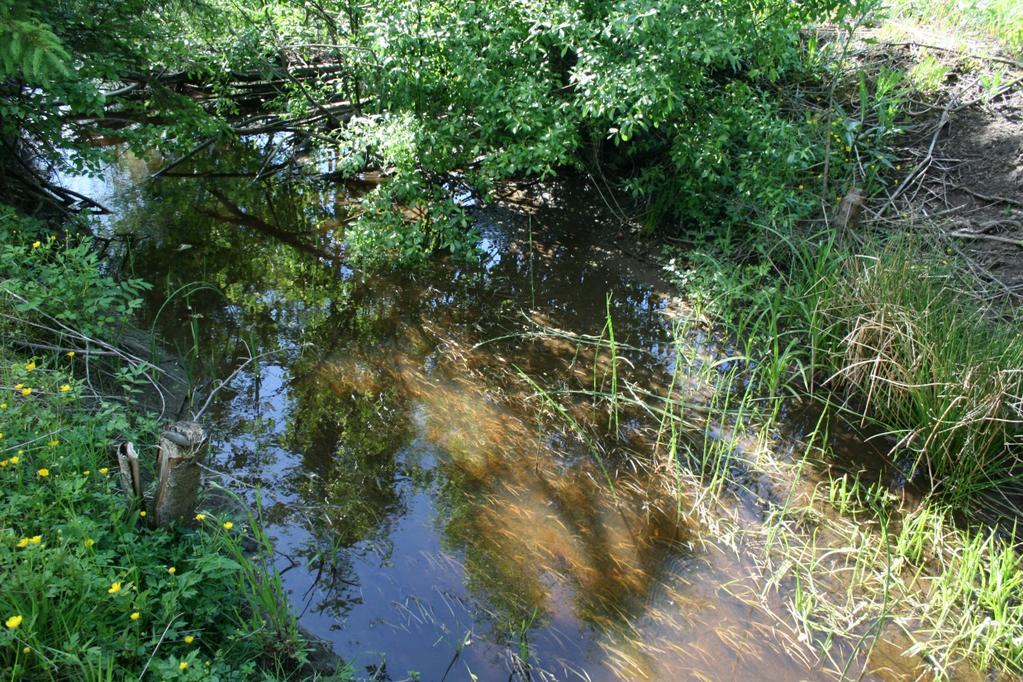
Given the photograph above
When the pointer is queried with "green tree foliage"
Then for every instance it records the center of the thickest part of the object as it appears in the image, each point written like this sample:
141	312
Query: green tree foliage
677	100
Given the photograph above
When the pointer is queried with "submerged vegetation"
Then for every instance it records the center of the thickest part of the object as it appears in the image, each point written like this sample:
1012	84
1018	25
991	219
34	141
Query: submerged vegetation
772	154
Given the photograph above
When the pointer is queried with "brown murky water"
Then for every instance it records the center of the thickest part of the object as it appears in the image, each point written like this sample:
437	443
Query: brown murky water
433	512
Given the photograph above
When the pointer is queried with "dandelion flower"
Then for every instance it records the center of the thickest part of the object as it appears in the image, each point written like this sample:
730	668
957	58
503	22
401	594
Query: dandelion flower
189	639
104	470
64	388
172	570
183	665
43	473
35	539
13	622
23	543
135	615
115	587
26	391
228	525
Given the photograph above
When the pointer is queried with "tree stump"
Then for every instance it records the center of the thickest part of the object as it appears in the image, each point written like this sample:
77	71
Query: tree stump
182	447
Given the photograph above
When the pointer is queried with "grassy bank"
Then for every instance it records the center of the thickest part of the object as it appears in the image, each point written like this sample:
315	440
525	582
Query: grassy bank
880	336
90	590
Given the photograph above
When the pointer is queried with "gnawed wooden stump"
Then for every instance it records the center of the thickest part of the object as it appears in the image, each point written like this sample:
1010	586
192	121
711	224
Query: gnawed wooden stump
848	214
128	462
182	447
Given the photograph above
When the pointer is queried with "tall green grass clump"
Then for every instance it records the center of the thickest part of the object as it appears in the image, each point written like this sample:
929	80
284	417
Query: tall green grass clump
925	362
89	590
889	331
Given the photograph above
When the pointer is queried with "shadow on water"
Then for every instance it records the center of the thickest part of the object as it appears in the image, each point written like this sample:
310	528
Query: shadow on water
430	511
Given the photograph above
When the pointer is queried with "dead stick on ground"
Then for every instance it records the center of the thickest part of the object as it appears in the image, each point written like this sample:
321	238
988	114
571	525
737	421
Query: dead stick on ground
988	237
992	197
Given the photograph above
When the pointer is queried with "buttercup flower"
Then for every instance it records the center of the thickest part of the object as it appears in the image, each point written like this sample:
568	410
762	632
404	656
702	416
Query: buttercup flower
15	459
43	473
183	665
86	472
53	443
228	525
23	543
104	470
89	542
35	539
70	354
200	517
18	387
30	366
135	615
36	244
13	622
142	514
172	570
26	391
115	587
189	639
65	388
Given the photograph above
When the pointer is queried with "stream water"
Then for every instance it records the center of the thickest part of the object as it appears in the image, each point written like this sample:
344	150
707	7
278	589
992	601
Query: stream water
433	509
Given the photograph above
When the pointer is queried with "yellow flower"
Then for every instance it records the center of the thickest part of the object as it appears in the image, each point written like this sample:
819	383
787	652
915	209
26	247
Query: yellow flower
86	472
3	406
70	354
135	615
43	473
89	542
114	588
65	388
53	443
189	639
25	650
35	539
228	525
18	387
104	470
4	462
183	665
172	570
30	366
23	543
13	622
36	244
142	514
200	517
26	391
14	460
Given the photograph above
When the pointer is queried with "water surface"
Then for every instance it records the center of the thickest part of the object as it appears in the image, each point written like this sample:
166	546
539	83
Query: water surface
434	509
